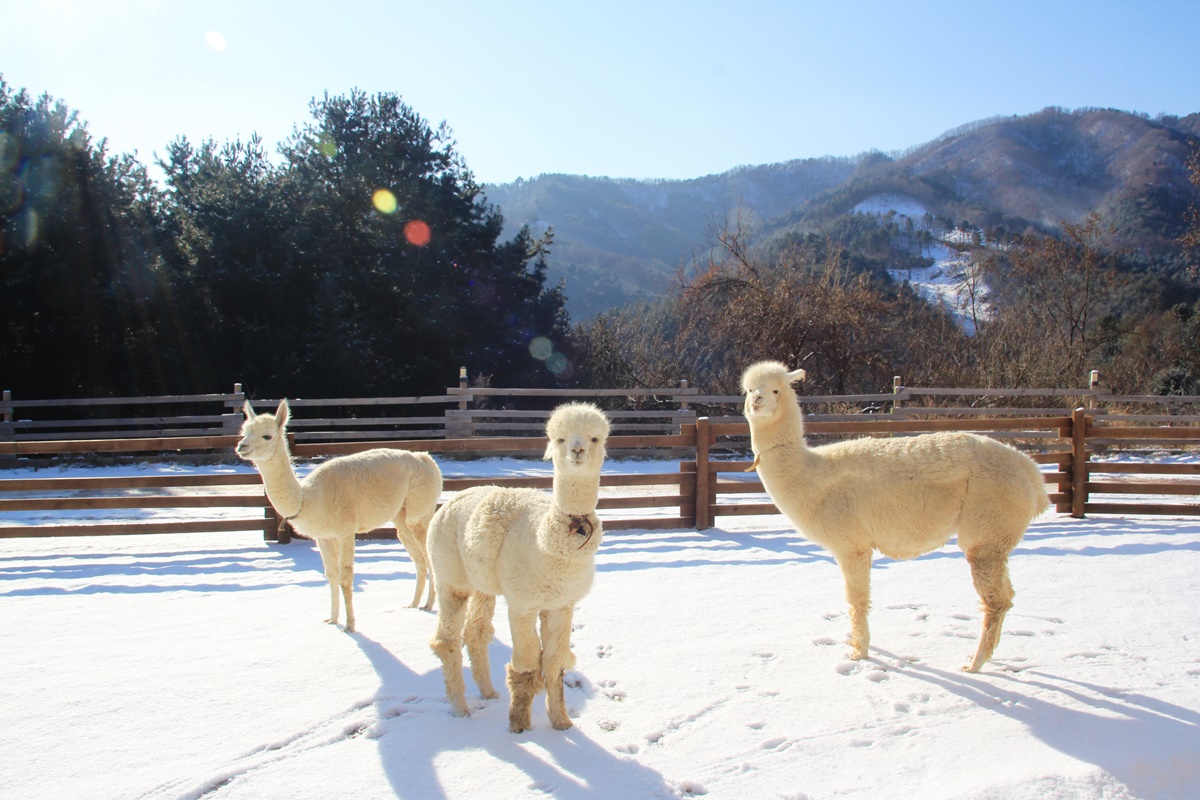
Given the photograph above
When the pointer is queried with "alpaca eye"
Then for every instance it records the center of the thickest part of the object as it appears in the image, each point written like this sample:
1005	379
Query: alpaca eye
595	439
267	436
774	391
560	441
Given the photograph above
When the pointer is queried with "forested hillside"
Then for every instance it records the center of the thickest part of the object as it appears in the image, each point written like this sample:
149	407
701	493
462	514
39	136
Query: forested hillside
621	240
617	241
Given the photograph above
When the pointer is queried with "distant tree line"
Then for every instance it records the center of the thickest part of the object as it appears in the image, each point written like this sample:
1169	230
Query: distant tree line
836	303
367	261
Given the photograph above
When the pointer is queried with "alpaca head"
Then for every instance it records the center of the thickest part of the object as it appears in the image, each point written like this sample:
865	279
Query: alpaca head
768	388
576	433
263	434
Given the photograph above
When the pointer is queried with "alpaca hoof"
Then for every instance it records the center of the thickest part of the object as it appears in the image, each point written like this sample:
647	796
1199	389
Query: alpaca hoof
517	727
562	725
489	695
462	711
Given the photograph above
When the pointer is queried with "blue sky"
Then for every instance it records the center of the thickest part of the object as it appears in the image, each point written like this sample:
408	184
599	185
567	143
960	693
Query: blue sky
650	89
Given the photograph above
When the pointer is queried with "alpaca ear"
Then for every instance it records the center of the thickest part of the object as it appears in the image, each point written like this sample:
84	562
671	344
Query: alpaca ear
549	454
247	410
797	375
283	413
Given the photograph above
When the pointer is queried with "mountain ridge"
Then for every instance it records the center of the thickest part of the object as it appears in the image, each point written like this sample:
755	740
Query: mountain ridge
621	240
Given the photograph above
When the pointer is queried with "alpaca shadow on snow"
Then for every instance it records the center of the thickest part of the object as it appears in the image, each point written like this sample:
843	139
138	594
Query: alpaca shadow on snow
712	546
416	727
144	567
1148	745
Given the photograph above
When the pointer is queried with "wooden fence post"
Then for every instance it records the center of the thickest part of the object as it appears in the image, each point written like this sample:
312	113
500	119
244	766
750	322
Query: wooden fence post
1093	384
683	402
458	421
8	432
897	389
1079	459
704	518
231	423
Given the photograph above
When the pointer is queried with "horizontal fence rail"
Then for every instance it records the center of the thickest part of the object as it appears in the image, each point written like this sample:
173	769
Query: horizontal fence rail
465	411
627	501
722	483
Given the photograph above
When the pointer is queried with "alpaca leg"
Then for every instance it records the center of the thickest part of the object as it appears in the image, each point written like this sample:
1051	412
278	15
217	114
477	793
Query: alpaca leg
447	645
345	547
989	570
332	565
856	571
432	596
416	551
525	671
479	632
423	570
557	658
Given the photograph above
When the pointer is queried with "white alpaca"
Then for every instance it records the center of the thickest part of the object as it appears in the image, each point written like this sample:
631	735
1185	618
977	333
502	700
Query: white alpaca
538	551
903	497
344	496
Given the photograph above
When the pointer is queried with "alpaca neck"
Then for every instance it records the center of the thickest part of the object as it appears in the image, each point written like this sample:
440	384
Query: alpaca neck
577	494
785	429
283	487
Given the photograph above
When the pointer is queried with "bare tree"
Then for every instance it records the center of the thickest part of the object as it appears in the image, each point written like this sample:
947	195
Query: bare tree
1064	284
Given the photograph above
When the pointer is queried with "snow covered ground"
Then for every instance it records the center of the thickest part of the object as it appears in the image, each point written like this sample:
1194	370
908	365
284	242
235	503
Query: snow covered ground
709	664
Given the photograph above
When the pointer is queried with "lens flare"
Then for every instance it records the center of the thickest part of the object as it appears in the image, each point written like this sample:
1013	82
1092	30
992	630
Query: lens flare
417	233
384	201
558	364
215	40
541	348
325	145
10	150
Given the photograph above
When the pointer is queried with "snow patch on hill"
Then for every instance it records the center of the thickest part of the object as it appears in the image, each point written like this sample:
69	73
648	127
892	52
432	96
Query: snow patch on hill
952	280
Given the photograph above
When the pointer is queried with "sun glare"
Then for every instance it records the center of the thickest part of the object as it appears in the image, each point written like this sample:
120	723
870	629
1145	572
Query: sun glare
215	40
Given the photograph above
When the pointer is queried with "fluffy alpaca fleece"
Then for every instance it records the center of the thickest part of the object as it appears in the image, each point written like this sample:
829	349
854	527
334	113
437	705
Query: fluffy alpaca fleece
538	551
903	497
344	496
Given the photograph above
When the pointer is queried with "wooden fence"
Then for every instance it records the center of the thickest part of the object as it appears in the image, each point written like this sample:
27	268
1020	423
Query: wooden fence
1083	458
667	498
463	412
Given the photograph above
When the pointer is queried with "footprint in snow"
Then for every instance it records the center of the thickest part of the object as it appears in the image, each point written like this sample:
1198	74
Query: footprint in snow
610	690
